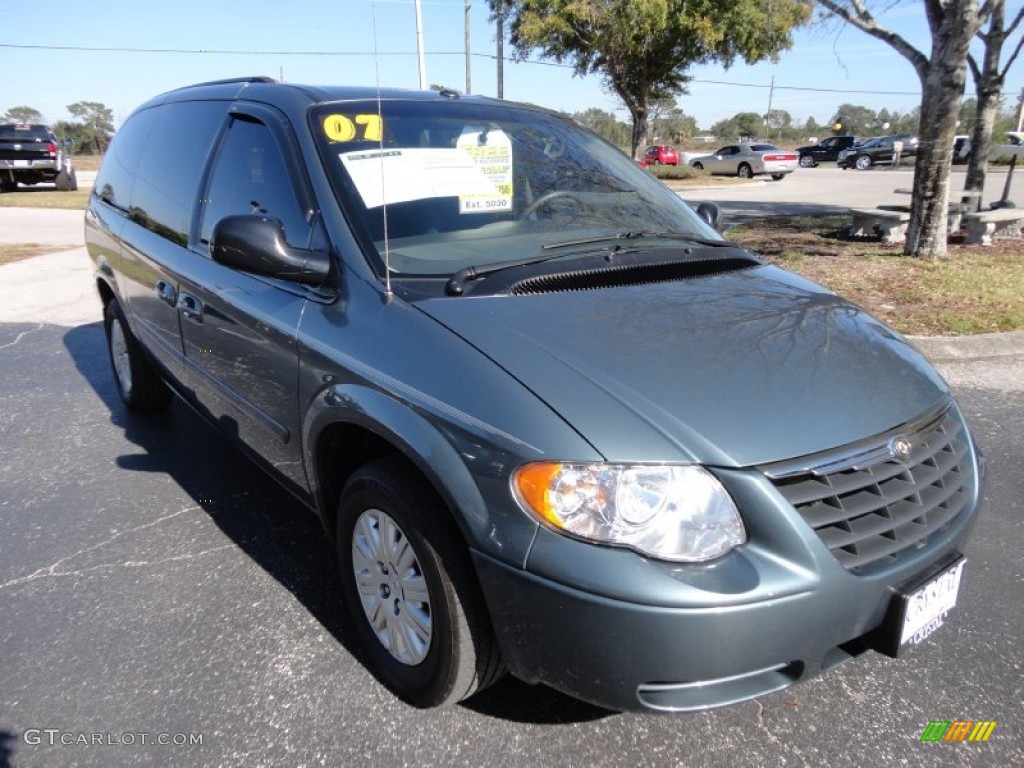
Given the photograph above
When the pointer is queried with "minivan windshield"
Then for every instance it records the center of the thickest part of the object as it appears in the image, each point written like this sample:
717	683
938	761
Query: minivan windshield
459	182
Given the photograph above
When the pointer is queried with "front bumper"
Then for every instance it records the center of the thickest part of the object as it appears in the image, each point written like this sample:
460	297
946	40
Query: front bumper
623	632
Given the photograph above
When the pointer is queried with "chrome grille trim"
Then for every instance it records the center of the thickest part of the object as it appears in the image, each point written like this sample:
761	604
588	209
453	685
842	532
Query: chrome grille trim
866	505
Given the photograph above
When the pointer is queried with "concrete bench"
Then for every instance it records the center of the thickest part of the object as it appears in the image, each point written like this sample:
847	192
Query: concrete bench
891	225
954	217
983	225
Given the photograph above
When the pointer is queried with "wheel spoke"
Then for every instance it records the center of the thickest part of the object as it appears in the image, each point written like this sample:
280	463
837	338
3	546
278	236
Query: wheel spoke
119	354
415	590
391	586
415	637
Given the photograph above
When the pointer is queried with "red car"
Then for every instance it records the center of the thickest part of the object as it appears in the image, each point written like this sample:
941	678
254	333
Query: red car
661	155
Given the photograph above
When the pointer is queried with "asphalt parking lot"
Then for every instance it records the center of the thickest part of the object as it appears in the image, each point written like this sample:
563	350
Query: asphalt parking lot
153	584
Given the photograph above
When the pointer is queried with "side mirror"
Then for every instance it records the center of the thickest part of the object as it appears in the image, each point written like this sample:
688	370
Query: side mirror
712	214
254	243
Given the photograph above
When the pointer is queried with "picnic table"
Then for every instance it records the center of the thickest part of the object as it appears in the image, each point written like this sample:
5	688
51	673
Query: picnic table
890	220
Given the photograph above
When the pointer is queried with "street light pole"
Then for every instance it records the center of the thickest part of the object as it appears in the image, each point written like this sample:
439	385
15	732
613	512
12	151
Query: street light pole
500	36
469	69
419	46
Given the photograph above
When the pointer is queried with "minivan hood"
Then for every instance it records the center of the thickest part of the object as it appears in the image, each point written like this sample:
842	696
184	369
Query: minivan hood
735	369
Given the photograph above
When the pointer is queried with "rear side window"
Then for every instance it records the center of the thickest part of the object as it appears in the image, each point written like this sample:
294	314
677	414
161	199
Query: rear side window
169	172
251	177
114	181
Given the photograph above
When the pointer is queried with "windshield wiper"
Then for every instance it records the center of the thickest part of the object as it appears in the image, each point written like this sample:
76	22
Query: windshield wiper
638	234
457	282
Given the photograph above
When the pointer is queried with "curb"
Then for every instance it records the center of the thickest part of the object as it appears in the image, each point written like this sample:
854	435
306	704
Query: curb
964	349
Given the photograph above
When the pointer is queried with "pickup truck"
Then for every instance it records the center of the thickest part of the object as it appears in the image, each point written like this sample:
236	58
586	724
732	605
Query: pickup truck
826	151
32	154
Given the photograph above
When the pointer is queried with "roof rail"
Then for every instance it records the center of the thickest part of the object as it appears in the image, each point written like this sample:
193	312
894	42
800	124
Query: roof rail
228	81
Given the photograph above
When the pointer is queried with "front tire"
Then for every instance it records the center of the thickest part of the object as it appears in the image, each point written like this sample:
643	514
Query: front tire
862	163
138	383
806	161
410	588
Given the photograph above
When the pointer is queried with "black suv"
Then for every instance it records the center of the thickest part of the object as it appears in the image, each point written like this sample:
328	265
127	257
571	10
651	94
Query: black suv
511	372
825	151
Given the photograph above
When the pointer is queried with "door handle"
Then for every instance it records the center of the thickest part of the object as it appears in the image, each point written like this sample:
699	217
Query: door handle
166	293
190	307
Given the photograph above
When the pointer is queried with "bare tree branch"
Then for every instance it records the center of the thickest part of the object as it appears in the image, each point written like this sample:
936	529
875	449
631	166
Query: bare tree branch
861	18
975	69
1017	20
1020	42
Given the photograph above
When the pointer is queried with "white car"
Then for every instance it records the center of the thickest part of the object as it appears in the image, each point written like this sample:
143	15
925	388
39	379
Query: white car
748	160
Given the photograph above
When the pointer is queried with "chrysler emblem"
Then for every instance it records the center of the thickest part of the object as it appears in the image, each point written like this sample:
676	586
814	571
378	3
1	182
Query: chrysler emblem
900	448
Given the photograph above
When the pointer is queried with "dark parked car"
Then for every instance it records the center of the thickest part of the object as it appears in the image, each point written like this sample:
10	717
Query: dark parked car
553	422
876	150
825	151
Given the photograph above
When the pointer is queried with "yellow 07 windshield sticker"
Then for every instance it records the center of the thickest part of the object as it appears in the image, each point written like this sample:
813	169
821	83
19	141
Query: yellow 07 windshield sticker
369	127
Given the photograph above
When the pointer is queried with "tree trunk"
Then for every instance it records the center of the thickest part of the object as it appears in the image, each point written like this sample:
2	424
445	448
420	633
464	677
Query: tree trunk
942	87
988	89
981	141
639	135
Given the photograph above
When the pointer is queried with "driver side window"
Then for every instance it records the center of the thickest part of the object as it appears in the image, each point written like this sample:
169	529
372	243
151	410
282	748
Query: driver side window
251	177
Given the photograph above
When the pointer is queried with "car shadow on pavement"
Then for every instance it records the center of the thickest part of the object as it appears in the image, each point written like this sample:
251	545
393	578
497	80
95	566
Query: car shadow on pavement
268	524
6	739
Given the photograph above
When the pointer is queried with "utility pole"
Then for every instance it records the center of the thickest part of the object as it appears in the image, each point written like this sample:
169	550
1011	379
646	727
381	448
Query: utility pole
500	16
469	68
768	114
419	46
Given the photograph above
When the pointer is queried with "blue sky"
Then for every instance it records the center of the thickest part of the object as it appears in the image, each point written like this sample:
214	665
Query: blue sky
333	43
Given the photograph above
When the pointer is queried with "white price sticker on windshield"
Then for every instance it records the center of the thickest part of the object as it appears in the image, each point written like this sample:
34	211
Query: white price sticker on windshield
388	176
491	150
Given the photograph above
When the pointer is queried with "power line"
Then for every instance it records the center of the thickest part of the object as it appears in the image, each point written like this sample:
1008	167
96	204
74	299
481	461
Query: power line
491	56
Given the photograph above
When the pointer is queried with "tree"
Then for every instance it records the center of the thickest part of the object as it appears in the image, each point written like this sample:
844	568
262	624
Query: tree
23	114
643	48
97	119
854	119
778	121
669	123
749	125
604	124
677	126
80	136
943	74
989	78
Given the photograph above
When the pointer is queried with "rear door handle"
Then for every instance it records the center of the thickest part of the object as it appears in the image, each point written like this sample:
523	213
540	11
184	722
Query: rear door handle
166	293
190	307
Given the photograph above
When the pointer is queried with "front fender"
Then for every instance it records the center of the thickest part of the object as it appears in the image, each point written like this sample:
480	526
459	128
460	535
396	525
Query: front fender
470	476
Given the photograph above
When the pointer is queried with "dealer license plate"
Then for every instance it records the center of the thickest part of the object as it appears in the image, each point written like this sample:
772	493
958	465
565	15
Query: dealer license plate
925	609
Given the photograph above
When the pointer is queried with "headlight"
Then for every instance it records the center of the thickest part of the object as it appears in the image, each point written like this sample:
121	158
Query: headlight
679	513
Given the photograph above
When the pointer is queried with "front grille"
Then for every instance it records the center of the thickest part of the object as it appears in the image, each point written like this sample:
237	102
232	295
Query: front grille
867	506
